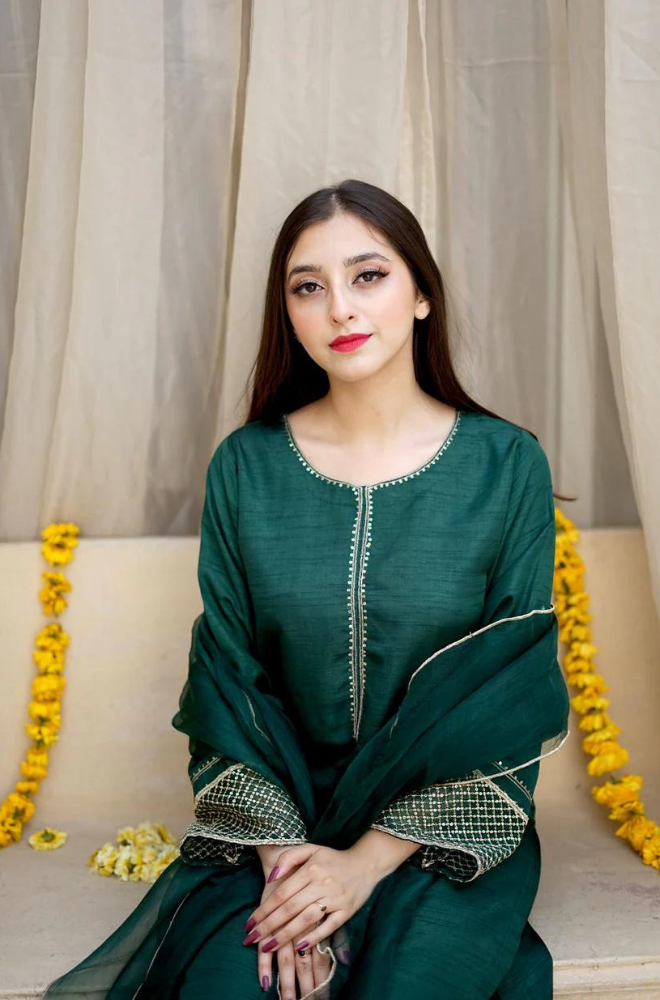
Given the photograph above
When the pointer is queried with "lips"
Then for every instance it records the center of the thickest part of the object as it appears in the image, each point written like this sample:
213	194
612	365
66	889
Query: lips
347	338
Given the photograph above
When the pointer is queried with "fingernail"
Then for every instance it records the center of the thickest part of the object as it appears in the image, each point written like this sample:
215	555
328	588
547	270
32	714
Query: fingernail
301	944
251	938
271	944
275	872
265	983
249	925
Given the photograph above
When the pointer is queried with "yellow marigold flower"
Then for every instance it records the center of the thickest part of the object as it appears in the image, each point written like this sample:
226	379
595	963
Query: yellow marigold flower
56	554
42	734
609	758
592	742
48	687
147	835
614	792
11	830
588	682
149	854
66	531
164	860
165	833
584	702
27	787
103	860
637	830
632	781
34	772
625	810
594	721
651	852
582	632
48	661
574	664
126	836
45	711
52	593
52	636
47	839
17	807
5	836
584	650
59	540
127	865
37	757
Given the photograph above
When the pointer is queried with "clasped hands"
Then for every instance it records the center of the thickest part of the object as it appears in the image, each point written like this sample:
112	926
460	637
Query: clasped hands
305	876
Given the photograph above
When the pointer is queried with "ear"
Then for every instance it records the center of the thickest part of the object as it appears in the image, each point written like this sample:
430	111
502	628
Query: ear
422	308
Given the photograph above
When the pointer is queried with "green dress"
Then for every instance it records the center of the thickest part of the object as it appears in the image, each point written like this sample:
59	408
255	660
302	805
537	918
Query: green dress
368	656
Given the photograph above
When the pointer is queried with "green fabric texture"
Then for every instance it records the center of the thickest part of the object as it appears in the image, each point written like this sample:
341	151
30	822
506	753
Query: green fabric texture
368	656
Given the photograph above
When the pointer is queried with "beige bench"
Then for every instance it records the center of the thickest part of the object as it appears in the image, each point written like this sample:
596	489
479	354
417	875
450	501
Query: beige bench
119	761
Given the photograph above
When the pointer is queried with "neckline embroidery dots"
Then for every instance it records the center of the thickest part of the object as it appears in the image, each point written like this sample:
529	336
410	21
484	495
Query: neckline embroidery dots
385	482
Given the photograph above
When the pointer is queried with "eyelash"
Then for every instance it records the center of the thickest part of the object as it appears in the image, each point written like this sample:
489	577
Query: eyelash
373	270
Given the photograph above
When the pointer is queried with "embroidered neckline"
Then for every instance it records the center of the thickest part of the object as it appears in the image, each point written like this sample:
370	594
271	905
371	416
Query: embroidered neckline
371	486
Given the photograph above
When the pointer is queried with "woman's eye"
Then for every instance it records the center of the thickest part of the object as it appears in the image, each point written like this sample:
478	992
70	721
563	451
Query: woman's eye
373	272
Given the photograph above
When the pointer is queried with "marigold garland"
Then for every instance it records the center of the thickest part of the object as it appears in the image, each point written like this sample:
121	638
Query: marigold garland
59	540
620	795
139	854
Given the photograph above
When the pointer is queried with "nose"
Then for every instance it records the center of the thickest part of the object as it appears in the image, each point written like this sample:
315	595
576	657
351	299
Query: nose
341	310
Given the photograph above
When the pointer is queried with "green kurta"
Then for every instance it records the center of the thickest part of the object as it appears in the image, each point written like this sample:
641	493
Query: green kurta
368	656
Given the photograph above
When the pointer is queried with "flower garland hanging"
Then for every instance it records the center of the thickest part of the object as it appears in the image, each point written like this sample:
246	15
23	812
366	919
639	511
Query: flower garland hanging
138	855
620	795
59	540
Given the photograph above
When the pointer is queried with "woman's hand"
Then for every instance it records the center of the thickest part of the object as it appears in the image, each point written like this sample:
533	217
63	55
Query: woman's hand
310	969
340	880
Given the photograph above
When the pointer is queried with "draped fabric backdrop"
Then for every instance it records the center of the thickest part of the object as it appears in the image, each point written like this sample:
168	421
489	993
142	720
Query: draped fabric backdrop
150	152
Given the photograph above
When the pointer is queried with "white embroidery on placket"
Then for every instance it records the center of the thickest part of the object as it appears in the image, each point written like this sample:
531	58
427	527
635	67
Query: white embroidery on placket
357	607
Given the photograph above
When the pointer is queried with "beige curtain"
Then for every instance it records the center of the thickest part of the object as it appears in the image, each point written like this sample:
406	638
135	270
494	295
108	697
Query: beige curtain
150	152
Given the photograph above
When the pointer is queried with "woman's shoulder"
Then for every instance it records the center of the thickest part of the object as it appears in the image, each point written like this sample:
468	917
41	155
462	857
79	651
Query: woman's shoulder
501	442
250	440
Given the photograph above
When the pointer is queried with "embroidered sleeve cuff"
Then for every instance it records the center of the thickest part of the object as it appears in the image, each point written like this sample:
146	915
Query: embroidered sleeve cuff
463	829
236	809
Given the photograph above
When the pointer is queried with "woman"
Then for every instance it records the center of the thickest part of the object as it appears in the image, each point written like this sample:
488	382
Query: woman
374	679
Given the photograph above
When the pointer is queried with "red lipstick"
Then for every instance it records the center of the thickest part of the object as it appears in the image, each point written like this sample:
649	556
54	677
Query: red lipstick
349	342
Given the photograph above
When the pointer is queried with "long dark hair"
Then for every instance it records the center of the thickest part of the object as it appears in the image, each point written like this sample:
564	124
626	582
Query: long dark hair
284	377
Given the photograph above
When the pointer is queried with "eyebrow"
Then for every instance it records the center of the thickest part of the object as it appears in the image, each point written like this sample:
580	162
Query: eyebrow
348	262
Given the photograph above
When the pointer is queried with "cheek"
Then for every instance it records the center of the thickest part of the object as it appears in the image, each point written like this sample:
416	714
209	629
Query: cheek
392	305
304	317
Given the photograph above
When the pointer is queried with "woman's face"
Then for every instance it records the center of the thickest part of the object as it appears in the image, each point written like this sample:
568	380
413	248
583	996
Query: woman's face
330	298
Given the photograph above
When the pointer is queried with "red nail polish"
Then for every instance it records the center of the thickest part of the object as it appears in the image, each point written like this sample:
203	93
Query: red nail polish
275	872
265	983
251	938
249	925
301	944
271	944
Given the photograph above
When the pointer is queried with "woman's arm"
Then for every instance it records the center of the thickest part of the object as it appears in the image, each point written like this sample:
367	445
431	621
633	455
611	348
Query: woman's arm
381	852
250	781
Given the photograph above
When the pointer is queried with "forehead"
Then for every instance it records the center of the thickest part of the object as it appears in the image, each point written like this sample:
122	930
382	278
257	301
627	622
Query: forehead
336	241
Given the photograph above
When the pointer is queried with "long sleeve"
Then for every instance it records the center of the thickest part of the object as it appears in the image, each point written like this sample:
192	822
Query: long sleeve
235	721
468	826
